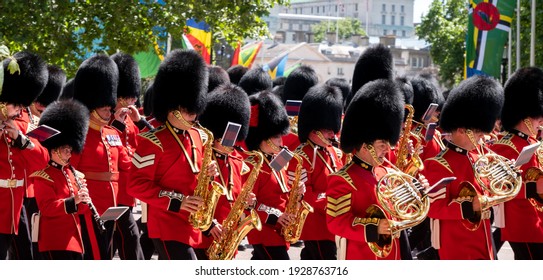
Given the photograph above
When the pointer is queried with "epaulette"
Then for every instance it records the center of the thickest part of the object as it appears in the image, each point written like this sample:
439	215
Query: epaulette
244	168
343	174
151	136
439	158
506	140
203	135
300	152
41	174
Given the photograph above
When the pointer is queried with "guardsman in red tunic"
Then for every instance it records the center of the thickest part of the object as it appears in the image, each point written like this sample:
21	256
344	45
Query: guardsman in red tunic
19	90
522	116
371	125
460	230
268	123
227	103
168	159
104	158
127	233
57	190
318	122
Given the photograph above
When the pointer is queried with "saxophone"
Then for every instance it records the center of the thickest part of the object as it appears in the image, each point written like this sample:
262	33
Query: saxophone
292	232
234	227
414	163
203	218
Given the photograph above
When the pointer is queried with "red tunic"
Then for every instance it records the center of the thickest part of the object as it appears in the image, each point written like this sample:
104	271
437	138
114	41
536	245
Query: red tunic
160	166
129	140
523	223
59	220
456	241
231	168
272	194
318	163
351	191
102	159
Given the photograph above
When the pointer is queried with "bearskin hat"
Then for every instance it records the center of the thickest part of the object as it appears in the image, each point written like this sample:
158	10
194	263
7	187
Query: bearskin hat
321	108
55	83
375	113
71	118
24	86
476	103
279	81
181	81
374	63
217	77
236	72
129	76
268	118
96	81
298	82
342	84
425	93
278	91
227	103
255	80
67	91
406	88
523	96
148	100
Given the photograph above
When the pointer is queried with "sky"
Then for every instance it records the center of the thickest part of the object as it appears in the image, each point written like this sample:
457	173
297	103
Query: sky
421	7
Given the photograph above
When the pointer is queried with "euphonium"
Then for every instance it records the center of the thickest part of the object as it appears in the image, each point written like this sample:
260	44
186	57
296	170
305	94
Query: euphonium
402	201
235	227
406	162
497	177
292	232
203	218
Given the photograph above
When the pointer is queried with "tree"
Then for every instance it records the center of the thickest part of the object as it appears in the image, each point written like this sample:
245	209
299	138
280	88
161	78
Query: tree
525	34
347	27
65	32
444	27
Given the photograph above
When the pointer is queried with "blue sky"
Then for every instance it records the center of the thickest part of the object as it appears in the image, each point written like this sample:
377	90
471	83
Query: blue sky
421	7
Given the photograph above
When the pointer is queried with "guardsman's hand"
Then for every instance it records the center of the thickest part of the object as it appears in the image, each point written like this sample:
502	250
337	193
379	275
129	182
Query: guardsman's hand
192	203
212	169
383	227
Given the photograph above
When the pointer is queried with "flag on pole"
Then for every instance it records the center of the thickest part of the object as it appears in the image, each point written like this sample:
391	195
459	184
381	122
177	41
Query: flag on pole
246	56
149	61
291	68
489	24
276	66
197	36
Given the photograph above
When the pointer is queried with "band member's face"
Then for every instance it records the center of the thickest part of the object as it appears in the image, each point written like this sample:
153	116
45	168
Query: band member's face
65	153
272	145
126	101
104	112
327	135
191	118
12	111
537	123
382	148
38	108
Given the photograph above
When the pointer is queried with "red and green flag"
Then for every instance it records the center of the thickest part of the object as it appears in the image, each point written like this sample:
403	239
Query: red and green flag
197	36
246	55
489	24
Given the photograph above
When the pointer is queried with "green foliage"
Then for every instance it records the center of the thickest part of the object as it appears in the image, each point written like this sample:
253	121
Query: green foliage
525	34
444	27
64	31
347	27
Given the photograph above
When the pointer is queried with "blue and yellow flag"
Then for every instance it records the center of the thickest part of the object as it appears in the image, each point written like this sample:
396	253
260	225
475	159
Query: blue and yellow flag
276	66
197	36
489	24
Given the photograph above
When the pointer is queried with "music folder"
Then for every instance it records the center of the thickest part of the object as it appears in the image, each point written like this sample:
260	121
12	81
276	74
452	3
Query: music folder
230	134
281	160
526	154
42	132
113	213
429	112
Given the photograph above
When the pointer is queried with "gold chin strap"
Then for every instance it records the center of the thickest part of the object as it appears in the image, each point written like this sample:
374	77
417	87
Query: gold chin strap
477	146
274	147
62	161
98	118
373	154
322	138
180	118
122	102
530	127
4	110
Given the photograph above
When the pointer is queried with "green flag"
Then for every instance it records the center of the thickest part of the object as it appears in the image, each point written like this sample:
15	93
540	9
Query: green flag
148	62
489	24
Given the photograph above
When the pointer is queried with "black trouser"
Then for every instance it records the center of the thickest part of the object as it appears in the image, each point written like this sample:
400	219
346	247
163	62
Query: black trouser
405	248
22	248
201	253
174	250
6	242
127	237
105	240
527	251
261	252
61	255
146	243
319	250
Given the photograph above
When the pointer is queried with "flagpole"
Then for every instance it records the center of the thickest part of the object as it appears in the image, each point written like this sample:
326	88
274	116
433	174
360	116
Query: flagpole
509	47
532	36
518	35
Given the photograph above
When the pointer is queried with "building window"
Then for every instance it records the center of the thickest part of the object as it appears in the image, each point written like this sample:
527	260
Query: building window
311	10
383	19
324	9
393	8
403	33
394	32
356	7
392	20
294	37
402	8
295	10
413	62
384	32
421	62
401	20
384	8
340	71
336	8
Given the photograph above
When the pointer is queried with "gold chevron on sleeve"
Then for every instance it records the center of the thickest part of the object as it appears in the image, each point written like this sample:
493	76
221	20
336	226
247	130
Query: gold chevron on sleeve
338	206
41	174
336	201
337	213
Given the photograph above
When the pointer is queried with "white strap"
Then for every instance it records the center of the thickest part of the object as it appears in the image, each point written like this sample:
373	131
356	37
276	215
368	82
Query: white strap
434	228
499	215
